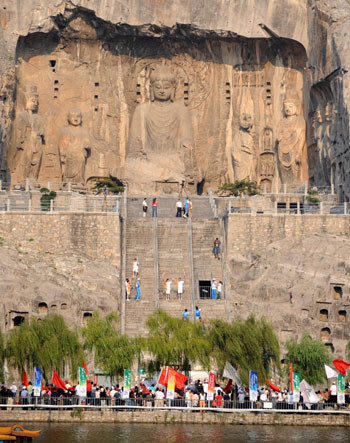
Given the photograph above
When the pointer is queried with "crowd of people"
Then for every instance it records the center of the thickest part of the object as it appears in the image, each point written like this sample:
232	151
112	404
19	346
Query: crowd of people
194	395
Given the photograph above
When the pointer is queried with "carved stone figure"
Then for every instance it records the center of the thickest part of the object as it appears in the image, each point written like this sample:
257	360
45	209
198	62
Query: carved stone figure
74	148
160	141
242	153
28	140
291	140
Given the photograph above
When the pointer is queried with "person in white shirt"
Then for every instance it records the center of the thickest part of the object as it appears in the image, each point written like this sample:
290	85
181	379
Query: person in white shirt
159	398
219	290
179	208
135	268
144	207
80	392
167	289
180	288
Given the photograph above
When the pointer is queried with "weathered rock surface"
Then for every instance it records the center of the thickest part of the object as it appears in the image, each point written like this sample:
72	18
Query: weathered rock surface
299	286
36	283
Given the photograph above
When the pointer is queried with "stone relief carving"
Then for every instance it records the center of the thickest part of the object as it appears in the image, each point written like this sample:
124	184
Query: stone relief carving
267	161
74	148
28	139
291	140
160	144
242	154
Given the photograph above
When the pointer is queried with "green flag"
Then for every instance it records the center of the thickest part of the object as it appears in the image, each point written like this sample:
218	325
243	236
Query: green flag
341	389
296	387
127	379
82	378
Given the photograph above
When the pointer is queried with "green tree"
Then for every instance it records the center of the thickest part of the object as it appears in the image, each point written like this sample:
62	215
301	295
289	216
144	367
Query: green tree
2	356
47	344
173	341
248	345
113	351
113	185
312	196
239	188
308	358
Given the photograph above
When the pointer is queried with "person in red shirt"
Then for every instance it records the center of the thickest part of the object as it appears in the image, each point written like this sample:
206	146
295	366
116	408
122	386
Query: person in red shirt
219	399
154	207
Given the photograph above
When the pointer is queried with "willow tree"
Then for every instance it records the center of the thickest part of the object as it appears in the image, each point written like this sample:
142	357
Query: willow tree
46	344
2	357
113	351
248	345
308	357
175	342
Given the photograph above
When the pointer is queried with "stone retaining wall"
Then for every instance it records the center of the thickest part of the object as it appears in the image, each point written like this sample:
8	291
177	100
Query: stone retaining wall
247	233
110	416
96	235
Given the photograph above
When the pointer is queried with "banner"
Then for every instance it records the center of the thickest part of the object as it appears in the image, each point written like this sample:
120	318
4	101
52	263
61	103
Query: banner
211	386
82	380
127	383
231	373
309	395
296	387
291	377
37	382
253	386
170	393
341	389
331	373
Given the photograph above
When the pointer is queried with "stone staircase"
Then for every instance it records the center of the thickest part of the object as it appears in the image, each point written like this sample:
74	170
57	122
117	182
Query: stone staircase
140	245
206	266
174	260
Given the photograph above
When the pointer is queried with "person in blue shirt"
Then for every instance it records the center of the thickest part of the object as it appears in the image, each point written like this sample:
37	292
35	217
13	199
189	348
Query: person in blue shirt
213	289
185	315
186	207
138	292
198	313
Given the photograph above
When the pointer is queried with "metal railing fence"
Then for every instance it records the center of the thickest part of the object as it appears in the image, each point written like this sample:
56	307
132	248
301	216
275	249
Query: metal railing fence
148	402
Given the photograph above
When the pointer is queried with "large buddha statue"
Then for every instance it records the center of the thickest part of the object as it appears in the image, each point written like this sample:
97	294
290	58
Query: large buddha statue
160	140
74	148
291	140
28	139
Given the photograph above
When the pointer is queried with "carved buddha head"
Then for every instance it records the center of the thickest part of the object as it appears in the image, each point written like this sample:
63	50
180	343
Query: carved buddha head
75	117
31	98
291	103
163	83
245	121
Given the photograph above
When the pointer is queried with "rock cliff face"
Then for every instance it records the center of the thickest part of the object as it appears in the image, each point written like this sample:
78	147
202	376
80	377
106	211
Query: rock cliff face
238	71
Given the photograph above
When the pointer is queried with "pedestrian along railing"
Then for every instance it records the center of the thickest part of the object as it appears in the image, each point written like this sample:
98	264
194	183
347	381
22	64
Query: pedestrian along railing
148	403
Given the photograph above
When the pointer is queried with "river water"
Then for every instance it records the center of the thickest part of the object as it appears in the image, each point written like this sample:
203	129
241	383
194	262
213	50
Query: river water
178	433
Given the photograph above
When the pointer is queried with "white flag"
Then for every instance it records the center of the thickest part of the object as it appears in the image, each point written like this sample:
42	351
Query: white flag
308	393
231	373
331	373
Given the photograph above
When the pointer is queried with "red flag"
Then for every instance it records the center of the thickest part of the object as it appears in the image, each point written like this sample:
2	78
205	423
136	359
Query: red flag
180	380
57	381
84	366
273	387
227	388
162	377
341	365
291	376
24	378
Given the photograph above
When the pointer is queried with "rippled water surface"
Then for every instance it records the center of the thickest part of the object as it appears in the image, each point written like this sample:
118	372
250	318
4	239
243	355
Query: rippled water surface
176	433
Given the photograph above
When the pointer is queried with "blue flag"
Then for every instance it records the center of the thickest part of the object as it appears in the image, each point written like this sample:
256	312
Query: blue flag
37	382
